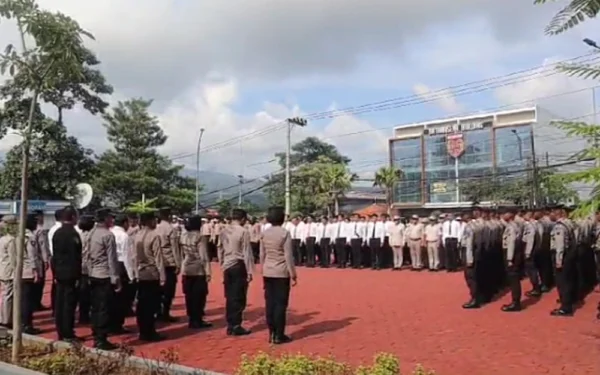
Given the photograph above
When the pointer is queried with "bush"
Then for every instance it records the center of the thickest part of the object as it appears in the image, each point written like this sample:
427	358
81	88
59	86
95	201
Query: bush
263	364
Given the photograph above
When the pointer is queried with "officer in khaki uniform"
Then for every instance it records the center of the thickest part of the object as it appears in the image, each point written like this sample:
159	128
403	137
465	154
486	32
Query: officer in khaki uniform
32	270
514	261
41	238
397	242
564	260
472	258
150	270
169	241
432	234
414	234
532	243
104	276
196	272
8	259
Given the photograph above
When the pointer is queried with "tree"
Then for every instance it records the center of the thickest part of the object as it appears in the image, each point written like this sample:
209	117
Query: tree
387	178
54	56
59	162
574	13
134	166
142	207
224	207
305	154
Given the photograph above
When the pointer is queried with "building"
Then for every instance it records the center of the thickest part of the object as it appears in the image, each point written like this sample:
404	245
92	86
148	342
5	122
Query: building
10	207
438	158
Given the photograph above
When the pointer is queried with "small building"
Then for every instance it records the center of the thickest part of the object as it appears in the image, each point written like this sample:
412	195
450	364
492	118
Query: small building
12	207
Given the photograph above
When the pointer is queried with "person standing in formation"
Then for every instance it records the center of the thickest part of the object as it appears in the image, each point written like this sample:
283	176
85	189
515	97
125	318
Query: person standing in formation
169	241
397	243
150	272
279	272
356	241
8	251
104	277
563	248
41	239
123	298
451	233
255	231
414	234
310	234
32	270
532	241
432	236
514	260
237	263
85	224
51	231
196	272
67	262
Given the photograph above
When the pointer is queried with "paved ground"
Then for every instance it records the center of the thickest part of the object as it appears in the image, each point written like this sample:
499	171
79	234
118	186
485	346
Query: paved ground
355	314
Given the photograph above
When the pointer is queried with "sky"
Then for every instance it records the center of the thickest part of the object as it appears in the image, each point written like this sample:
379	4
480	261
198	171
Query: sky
239	68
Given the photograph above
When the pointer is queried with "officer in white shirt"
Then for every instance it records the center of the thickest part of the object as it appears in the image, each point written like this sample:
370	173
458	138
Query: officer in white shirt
324	241
376	233
311	233
292	227
451	233
124	298
388	254
353	229
301	233
341	241
58	217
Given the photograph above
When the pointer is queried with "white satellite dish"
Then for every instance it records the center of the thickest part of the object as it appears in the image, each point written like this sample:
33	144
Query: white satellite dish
84	195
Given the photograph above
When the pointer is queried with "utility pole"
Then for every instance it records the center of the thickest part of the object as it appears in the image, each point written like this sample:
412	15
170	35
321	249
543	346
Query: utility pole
534	172
198	171
290	122
595	112
241	181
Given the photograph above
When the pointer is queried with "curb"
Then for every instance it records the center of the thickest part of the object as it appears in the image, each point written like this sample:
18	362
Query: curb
133	361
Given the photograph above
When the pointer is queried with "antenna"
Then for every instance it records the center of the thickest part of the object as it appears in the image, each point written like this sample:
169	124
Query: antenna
83	196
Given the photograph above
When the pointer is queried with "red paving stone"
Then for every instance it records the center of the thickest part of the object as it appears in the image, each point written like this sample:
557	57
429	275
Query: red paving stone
354	314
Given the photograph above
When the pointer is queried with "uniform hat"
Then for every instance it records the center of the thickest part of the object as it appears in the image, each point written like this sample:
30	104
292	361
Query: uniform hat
414	216
9	219
396	217
458	218
432	218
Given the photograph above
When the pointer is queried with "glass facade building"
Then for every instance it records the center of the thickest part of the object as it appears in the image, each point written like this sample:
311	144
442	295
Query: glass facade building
498	145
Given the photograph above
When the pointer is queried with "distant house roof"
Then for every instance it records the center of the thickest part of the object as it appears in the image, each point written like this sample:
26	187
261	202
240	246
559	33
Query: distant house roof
374	209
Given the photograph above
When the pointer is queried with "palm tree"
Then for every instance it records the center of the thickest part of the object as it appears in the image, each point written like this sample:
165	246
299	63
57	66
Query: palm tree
574	13
387	178
333	180
142	207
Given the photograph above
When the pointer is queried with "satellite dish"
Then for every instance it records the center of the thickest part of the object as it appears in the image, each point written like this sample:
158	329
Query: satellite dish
83	196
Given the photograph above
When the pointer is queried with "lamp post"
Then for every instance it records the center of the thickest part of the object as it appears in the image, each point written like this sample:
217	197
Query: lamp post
198	171
290	122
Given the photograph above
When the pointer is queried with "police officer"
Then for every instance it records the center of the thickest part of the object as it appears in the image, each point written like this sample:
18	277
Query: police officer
196	272
564	261
514	260
150	273
8	253
237	263
532	247
277	259
85	224
169	240
41	238
32	271
104	277
472	258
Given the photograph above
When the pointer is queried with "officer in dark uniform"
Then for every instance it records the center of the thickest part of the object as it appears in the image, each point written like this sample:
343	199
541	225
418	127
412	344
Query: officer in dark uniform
564	261
514	260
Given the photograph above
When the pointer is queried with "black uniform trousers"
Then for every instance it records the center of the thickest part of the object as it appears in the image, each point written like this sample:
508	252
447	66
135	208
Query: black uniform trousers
310	251
101	293
533	271
340	251
545	266
195	289
84	299
235	279
168	291
255	251
356	246
28	302
566	280
375	247
451	254
38	291
325	252
148	302
513	273
277	296
64	308
472	279
296	250
121	302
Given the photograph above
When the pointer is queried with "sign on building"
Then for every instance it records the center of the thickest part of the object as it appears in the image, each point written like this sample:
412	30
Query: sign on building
456	145
459	127
32	206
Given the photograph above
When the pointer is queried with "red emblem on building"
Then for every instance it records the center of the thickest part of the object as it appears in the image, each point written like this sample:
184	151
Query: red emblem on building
456	145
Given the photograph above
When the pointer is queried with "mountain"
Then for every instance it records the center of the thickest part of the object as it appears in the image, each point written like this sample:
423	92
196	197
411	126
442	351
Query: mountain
224	186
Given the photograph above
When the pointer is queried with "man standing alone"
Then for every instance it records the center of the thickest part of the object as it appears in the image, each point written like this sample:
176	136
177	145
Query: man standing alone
237	263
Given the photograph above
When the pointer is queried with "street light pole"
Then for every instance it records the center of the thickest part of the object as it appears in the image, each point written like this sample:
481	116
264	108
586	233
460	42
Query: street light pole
198	171
241	181
290	122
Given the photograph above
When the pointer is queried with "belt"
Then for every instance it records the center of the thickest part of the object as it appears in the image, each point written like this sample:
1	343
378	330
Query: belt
433	241
415	239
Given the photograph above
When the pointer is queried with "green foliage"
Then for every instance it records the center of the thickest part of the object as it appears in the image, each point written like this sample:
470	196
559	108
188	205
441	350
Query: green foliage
387	178
142	207
264	364
573	14
134	166
319	177
224	206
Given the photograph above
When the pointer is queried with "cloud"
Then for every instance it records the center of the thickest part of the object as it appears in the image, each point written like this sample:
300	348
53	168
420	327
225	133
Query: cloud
444	98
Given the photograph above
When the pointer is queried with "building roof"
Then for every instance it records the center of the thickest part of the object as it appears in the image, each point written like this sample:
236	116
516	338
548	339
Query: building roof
374	209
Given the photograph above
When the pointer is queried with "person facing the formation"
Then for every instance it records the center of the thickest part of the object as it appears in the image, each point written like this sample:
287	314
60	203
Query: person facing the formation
150	271
67	261
196	272
277	259
104	277
237	263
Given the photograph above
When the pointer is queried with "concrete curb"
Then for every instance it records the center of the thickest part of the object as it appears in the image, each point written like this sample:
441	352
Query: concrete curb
133	361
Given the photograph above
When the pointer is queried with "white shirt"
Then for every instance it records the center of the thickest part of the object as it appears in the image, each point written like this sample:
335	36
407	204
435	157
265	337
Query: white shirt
376	230
51	232
331	231
124	247
362	230
300	231
264	227
389	227
312	229
319	231
347	230
288	225
451	229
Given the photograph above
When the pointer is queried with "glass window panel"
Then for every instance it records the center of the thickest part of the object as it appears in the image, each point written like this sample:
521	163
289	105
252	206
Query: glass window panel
406	156
513	150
